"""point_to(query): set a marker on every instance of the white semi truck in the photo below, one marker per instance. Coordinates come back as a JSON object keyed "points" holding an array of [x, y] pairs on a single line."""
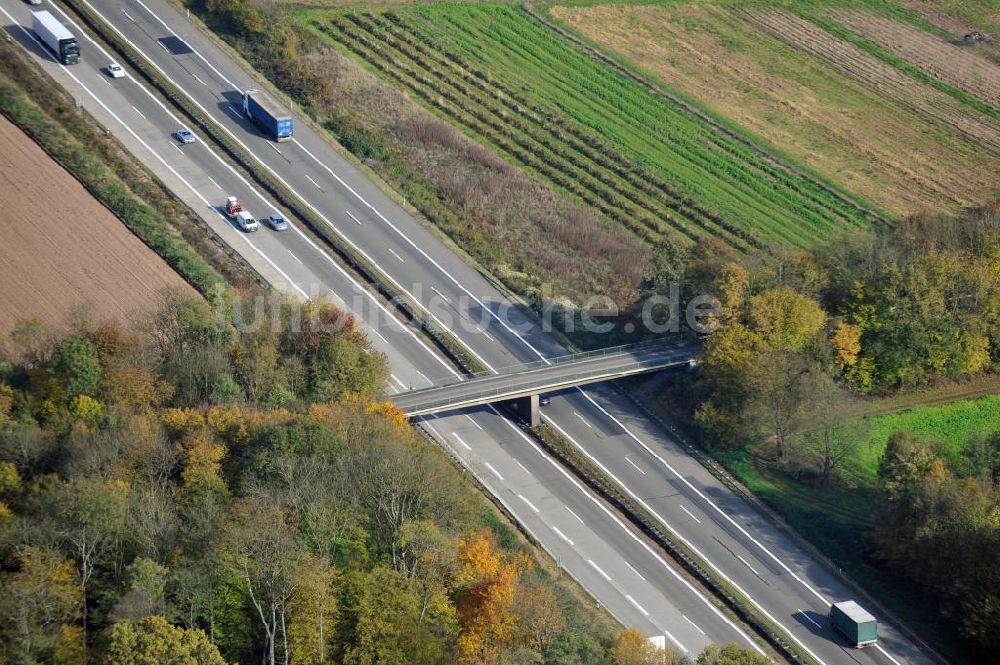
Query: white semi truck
{"points": [[55, 35]]}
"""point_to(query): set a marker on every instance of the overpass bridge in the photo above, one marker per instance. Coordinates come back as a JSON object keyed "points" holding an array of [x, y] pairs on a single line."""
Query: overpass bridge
{"points": [[520, 386]]}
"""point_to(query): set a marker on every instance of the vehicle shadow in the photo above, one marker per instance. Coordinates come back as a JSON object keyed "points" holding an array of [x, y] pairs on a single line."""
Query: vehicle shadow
{"points": [[816, 623]]}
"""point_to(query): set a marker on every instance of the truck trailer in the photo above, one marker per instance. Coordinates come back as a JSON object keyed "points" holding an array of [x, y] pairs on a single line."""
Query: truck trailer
{"points": [[55, 35], [854, 622], [267, 114]]}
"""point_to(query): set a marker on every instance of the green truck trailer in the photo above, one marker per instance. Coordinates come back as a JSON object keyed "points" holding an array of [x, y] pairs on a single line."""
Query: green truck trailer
{"points": [[854, 622]]}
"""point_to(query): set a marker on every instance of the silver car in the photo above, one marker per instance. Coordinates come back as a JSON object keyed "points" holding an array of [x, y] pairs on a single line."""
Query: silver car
{"points": [[185, 136]]}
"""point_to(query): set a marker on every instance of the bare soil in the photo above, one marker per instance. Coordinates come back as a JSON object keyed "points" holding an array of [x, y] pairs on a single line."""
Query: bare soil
{"points": [[62, 253], [818, 116], [955, 65], [880, 76]]}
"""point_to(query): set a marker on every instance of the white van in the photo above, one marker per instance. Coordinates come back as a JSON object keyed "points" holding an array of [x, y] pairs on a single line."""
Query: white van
{"points": [[246, 221]]}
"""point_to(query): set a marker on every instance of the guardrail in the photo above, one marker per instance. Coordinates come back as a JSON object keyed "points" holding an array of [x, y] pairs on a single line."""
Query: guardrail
{"points": [[513, 388], [369, 272]]}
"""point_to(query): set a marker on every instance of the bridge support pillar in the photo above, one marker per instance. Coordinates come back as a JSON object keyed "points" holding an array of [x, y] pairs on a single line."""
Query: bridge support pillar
{"points": [[526, 408]]}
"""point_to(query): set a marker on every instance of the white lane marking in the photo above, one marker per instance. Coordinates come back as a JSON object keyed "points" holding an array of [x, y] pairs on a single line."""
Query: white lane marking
{"points": [[523, 467], [583, 419], [459, 439], [232, 109], [674, 639], [434, 289], [530, 505], [563, 536], [495, 472], [632, 568], [683, 616], [339, 180], [334, 294], [637, 605], [711, 503], [598, 569], [808, 618], [199, 78], [295, 257], [641, 542], [398, 231], [147, 146], [575, 515], [635, 465], [139, 112], [394, 378], [353, 217], [273, 147], [312, 181], [358, 287], [395, 254], [375, 332], [189, 46], [747, 564], [488, 336], [213, 181], [690, 514], [425, 377], [127, 16], [343, 183], [886, 654], [176, 147], [473, 421]]}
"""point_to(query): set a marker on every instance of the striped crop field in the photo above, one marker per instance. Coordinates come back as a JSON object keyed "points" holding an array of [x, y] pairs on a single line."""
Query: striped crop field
{"points": [[642, 159]]}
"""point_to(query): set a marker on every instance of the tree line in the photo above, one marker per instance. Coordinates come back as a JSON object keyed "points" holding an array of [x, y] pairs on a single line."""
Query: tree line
{"points": [[187, 490], [804, 336]]}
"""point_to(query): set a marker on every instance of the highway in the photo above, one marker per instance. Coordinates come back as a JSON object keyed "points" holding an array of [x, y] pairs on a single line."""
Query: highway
{"points": [[617, 568], [569, 371]]}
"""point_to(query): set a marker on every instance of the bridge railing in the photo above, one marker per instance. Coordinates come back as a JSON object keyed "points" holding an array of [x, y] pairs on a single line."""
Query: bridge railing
{"points": [[561, 360], [506, 388]]}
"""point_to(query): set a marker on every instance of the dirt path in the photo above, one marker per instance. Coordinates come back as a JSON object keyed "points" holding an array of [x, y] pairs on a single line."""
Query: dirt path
{"points": [[61, 250]]}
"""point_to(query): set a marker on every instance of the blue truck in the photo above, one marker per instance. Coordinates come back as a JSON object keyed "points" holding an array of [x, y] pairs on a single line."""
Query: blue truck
{"points": [[267, 114]]}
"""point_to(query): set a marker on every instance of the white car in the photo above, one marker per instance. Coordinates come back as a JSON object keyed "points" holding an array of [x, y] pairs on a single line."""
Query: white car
{"points": [[246, 222], [115, 70]]}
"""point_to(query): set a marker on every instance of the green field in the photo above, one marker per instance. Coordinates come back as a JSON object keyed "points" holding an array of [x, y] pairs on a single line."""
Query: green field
{"points": [[949, 426], [643, 160]]}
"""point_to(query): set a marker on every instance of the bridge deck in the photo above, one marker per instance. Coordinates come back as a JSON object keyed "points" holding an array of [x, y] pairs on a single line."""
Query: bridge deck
{"points": [[536, 379]]}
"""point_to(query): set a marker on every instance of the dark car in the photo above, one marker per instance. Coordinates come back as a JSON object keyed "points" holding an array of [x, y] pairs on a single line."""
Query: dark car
{"points": [[277, 221], [185, 136], [543, 400]]}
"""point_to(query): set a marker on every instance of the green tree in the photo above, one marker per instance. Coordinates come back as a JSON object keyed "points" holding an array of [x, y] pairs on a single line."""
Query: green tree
{"points": [[76, 365], [153, 641], [389, 628]]}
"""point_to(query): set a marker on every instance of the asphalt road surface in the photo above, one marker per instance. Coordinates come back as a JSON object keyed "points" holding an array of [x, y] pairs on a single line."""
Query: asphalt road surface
{"points": [[616, 567]]}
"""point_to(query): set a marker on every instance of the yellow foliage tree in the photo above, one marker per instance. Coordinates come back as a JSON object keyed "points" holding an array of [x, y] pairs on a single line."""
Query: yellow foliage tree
{"points": [[786, 319], [846, 342], [486, 607]]}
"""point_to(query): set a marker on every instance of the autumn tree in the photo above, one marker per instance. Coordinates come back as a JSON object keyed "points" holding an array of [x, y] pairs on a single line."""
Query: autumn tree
{"points": [[39, 608], [153, 641], [633, 648], [264, 555], [487, 586], [312, 611], [391, 627]]}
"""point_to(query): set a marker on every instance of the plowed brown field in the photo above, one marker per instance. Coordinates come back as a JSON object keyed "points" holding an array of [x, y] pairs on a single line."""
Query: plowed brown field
{"points": [[880, 76], [955, 65], [61, 250]]}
